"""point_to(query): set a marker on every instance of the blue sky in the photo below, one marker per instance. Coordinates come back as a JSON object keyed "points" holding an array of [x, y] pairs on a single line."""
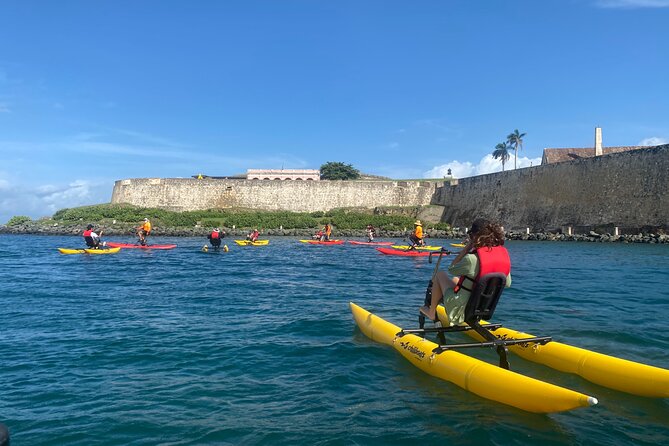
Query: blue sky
{"points": [[93, 92]]}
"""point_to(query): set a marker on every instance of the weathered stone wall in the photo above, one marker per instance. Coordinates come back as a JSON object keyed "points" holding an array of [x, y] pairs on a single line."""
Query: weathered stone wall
{"points": [[626, 190], [185, 194]]}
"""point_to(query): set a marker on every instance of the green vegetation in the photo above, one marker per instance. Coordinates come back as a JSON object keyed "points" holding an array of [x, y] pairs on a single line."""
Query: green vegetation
{"points": [[240, 218], [502, 151], [18, 220], [515, 139], [339, 171]]}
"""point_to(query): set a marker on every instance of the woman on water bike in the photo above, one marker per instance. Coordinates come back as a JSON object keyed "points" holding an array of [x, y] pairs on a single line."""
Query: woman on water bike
{"points": [[484, 253]]}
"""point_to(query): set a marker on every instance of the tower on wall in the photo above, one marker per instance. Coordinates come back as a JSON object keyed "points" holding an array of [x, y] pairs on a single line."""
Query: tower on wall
{"points": [[598, 141]]}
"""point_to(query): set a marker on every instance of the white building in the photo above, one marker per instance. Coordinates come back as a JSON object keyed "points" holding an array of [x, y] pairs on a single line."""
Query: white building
{"points": [[284, 174]]}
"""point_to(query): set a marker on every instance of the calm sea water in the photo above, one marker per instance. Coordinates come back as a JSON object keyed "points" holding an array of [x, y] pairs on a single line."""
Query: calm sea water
{"points": [[257, 345]]}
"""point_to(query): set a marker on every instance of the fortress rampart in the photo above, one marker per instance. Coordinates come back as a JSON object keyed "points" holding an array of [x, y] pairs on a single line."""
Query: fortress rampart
{"points": [[628, 190], [188, 194]]}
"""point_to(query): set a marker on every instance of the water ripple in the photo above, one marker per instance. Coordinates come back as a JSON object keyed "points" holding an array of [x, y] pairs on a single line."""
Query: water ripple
{"points": [[257, 345]]}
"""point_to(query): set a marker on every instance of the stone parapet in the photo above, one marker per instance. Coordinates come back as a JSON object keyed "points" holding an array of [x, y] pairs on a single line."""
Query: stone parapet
{"points": [[188, 194], [621, 190]]}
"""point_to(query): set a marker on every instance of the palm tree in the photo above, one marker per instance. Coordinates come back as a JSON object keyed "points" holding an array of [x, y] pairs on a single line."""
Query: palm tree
{"points": [[516, 140], [502, 151]]}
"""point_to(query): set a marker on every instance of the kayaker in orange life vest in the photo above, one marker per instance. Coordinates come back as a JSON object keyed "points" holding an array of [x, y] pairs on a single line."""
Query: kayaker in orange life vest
{"points": [[327, 230], [143, 231], [92, 239], [484, 252], [416, 238], [215, 237]]}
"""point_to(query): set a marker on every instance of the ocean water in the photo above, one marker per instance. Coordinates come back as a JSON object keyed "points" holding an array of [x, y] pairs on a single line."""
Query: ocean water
{"points": [[257, 345]]}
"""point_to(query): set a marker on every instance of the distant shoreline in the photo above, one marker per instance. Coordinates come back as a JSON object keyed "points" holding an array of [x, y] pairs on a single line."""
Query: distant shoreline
{"points": [[32, 228]]}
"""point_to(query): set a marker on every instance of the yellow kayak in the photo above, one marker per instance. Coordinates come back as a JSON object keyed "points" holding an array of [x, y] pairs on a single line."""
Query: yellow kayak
{"points": [[608, 371], [458, 245], [89, 251], [420, 248], [250, 243], [479, 377]]}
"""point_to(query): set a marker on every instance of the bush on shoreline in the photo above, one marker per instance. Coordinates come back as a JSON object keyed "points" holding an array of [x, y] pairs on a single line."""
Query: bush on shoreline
{"points": [[18, 220], [117, 219], [123, 215]]}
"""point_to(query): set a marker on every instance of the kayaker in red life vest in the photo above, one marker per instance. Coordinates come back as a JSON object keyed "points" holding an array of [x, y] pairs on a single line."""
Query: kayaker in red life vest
{"points": [[92, 239], [325, 235], [484, 251], [253, 235], [215, 237]]}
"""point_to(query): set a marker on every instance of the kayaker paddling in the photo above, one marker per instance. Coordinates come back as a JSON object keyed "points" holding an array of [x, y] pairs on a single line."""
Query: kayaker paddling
{"points": [[416, 237], [484, 253], [92, 238], [253, 235], [325, 234], [143, 231], [371, 232], [215, 238]]}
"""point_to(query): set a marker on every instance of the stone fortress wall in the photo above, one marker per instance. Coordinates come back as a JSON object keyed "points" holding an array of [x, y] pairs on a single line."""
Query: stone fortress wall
{"points": [[188, 194], [628, 190]]}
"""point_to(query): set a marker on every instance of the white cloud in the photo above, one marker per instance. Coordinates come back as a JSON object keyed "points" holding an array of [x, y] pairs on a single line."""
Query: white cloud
{"points": [[4, 107], [45, 200], [653, 141], [630, 4], [488, 164]]}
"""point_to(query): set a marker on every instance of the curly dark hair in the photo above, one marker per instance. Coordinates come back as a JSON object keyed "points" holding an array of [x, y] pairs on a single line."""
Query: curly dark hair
{"points": [[487, 233]]}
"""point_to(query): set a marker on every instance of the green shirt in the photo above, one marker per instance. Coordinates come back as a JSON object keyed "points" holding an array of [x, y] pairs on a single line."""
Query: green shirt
{"points": [[455, 303]]}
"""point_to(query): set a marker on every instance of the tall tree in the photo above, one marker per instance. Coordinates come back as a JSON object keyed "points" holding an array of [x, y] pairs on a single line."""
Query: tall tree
{"points": [[516, 140], [339, 171], [502, 151]]}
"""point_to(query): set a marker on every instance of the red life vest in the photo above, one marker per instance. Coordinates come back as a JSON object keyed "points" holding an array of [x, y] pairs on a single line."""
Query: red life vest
{"points": [[88, 238], [215, 235], [491, 260]]}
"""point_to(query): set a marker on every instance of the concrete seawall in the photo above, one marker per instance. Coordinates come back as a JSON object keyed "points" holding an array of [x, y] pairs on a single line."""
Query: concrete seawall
{"points": [[187, 194], [626, 190]]}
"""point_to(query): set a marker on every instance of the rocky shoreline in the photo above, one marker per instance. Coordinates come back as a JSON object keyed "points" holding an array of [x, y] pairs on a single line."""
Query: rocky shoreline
{"points": [[35, 228], [590, 237]]}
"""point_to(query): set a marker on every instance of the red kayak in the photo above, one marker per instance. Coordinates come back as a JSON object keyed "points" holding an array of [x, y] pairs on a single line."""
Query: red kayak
{"points": [[316, 242], [353, 242], [403, 252], [131, 246]]}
